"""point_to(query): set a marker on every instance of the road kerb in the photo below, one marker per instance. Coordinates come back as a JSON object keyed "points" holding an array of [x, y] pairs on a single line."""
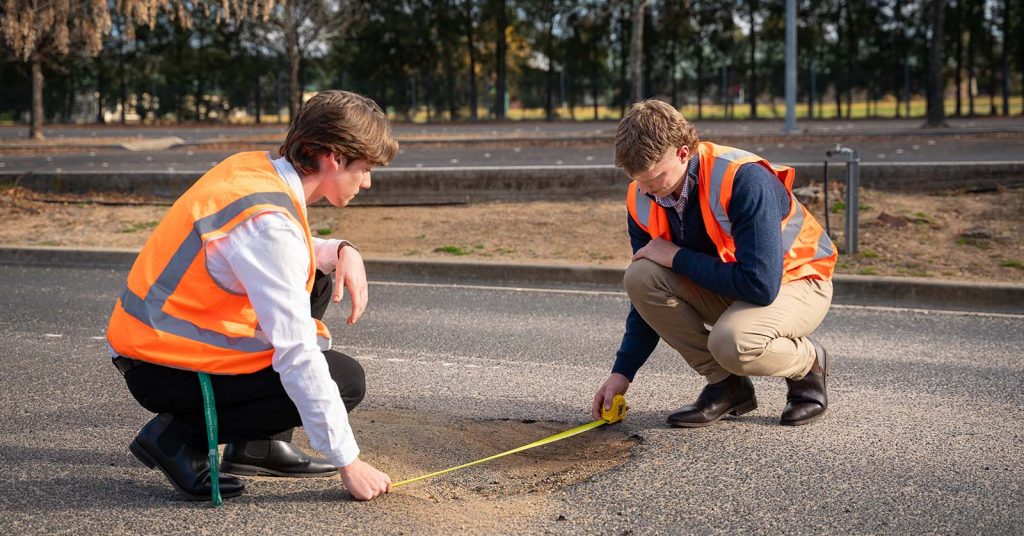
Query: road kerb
{"points": [[849, 289]]}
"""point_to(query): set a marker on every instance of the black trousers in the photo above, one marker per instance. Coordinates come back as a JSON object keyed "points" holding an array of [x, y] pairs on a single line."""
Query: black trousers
{"points": [[249, 406]]}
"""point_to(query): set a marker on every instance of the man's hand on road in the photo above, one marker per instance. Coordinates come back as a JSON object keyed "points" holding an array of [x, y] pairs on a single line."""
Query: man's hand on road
{"points": [[616, 384], [364, 481], [350, 273], [658, 250]]}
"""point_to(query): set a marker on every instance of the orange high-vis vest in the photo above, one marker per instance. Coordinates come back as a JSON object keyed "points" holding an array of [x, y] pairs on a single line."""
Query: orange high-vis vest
{"points": [[172, 311], [809, 253]]}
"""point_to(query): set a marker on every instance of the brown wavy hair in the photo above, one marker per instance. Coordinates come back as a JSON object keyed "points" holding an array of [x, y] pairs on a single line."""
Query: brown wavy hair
{"points": [[341, 123], [648, 130]]}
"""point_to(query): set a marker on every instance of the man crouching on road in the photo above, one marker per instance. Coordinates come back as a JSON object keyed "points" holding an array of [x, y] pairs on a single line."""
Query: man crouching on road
{"points": [[232, 283], [719, 240]]}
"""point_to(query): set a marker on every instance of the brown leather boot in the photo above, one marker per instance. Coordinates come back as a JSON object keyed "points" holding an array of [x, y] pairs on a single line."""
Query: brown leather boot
{"points": [[733, 395], [807, 398]]}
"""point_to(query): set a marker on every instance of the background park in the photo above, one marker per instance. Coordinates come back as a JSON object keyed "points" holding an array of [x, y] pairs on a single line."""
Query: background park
{"points": [[252, 61], [495, 244]]}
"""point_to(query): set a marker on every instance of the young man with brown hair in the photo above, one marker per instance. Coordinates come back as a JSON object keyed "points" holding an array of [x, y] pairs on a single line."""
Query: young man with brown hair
{"points": [[232, 283], [719, 240]]}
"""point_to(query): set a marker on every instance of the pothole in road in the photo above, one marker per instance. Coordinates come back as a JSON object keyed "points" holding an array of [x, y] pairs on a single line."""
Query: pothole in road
{"points": [[408, 444]]}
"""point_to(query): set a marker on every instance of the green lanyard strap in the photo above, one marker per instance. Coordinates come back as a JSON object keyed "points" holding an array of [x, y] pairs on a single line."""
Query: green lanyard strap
{"points": [[210, 411]]}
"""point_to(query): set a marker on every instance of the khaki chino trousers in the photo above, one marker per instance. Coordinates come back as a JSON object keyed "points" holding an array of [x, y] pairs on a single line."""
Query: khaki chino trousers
{"points": [[744, 339]]}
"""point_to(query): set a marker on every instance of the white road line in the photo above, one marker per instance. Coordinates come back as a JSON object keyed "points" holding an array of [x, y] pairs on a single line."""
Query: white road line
{"points": [[53, 335], [494, 287], [884, 309], [879, 308]]}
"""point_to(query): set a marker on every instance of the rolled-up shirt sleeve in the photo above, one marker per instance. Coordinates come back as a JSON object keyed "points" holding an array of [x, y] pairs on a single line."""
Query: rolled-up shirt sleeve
{"points": [[268, 255], [325, 251]]}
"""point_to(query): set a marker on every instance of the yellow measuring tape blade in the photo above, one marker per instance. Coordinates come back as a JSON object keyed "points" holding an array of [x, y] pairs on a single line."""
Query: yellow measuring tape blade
{"points": [[615, 414]]}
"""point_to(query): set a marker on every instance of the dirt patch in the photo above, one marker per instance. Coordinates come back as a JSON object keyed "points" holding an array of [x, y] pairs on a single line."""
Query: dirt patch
{"points": [[945, 235], [408, 444], [489, 498]]}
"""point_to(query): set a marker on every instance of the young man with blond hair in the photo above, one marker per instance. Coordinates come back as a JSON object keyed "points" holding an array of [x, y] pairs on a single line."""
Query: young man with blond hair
{"points": [[233, 284], [719, 240]]}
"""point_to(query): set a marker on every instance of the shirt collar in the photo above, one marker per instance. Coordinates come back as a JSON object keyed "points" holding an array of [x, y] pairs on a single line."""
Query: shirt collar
{"points": [[692, 170], [286, 171]]}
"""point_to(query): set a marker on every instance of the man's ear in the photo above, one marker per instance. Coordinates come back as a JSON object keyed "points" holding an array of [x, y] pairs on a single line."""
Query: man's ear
{"points": [[683, 153], [331, 162]]}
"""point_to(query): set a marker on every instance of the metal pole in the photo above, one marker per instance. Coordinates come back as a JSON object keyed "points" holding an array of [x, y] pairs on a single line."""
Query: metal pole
{"points": [[790, 67], [852, 193], [852, 202]]}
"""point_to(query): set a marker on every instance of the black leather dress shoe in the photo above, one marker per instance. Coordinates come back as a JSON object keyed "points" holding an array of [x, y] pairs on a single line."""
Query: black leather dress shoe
{"points": [[733, 395], [274, 458], [807, 398], [159, 445]]}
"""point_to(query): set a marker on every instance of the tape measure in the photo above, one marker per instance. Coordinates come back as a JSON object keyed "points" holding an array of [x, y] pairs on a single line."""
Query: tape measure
{"points": [[608, 416]]}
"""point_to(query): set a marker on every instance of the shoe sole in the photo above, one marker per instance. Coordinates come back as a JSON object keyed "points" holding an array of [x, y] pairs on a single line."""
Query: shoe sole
{"points": [[808, 420], [148, 460], [253, 470], [736, 411]]}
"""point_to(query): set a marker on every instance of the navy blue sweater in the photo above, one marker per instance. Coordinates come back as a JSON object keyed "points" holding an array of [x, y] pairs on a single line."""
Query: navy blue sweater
{"points": [[758, 205]]}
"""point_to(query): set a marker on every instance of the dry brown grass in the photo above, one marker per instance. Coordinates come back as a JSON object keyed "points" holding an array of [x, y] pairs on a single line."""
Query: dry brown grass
{"points": [[900, 234]]}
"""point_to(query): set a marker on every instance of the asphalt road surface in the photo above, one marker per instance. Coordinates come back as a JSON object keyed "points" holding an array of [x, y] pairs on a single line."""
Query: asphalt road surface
{"points": [[925, 433], [506, 144], [191, 133], [505, 154]]}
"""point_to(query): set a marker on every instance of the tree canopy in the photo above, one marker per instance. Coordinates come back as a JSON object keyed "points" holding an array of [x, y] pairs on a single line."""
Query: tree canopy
{"points": [[429, 60]]}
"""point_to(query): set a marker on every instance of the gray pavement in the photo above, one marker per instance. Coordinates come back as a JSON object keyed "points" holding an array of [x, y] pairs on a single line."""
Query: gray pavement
{"points": [[924, 433], [880, 150], [527, 129]]}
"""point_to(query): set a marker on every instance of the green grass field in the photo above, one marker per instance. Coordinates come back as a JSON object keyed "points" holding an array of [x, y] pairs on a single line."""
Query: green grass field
{"points": [[882, 109]]}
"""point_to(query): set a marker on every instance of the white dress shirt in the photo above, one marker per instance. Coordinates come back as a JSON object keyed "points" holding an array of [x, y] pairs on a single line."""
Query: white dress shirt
{"points": [[266, 258]]}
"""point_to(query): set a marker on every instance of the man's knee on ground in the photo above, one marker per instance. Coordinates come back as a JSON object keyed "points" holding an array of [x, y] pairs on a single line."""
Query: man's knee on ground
{"points": [[732, 350], [350, 377], [640, 276]]}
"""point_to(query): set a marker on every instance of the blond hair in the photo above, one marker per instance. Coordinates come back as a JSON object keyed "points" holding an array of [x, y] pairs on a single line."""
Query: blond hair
{"points": [[648, 130], [342, 123]]}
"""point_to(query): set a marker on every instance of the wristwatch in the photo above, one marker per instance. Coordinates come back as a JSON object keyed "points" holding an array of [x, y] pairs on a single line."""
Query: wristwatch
{"points": [[345, 243]]}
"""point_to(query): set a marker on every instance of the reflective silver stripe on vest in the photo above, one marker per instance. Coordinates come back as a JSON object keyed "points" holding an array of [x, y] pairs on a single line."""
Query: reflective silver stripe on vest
{"points": [[149, 310], [825, 247], [718, 170], [642, 206], [796, 223]]}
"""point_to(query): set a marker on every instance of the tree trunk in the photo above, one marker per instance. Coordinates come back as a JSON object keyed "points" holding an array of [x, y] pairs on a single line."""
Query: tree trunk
{"points": [[851, 48], [502, 53], [959, 56], [294, 58], [636, 51], [936, 108], [899, 55], [811, 90], [472, 60], [259, 101], [123, 97], [623, 61], [839, 47], [99, 91], [991, 71], [449, 81], [972, 35], [35, 130], [672, 73], [700, 84], [753, 62], [549, 109], [1007, 40], [593, 87]]}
